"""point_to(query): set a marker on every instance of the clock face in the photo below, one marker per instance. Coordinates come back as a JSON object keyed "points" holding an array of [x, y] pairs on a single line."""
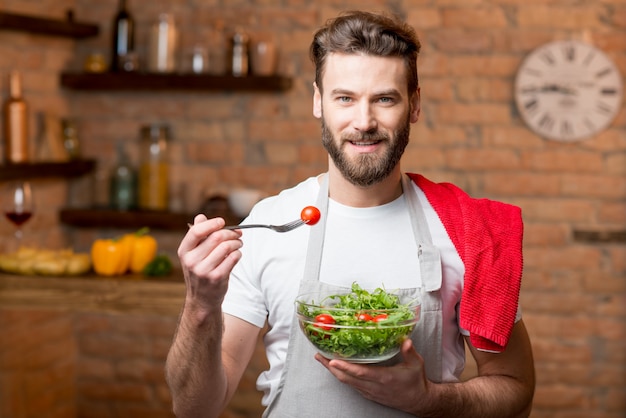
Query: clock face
{"points": [[568, 90]]}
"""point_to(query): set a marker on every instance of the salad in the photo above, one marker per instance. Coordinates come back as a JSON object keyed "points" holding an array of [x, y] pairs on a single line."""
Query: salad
{"points": [[360, 325]]}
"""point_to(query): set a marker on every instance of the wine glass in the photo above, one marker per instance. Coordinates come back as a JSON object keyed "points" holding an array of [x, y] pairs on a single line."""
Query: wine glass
{"points": [[18, 206]]}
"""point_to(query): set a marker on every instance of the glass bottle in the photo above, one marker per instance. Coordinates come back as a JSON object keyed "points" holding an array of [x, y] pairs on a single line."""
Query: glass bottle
{"points": [[123, 186], [123, 35], [15, 119], [239, 55], [70, 138], [154, 167]]}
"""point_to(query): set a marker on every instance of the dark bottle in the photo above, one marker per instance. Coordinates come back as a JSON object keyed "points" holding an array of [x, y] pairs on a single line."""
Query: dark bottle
{"points": [[123, 35]]}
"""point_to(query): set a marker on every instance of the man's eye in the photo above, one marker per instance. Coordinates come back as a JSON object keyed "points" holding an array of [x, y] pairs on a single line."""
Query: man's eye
{"points": [[386, 100], [344, 99]]}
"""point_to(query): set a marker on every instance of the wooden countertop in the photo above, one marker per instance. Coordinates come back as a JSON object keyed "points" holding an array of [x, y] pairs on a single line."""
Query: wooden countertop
{"points": [[127, 294]]}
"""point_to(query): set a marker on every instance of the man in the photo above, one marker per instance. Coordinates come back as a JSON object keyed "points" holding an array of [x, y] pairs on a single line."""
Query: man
{"points": [[379, 227]]}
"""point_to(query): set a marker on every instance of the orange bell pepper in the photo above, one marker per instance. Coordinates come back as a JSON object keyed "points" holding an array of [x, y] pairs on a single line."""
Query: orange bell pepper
{"points": [[111, 257], [144, 250]]}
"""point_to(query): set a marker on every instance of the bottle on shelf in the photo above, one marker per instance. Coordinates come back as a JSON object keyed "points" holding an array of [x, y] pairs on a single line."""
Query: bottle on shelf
{"points": [[239, 53], [15, 120], [163, 44], [123, 186], [70, 138], [123, 36], [154, 167]]}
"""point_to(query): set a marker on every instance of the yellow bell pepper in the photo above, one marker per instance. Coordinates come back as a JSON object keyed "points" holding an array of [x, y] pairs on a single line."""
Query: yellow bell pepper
{"points": [[111, 257], [144, 250]]}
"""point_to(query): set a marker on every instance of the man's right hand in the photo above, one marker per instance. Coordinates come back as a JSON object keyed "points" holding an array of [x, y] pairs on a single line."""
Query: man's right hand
{"points": [[207, 255]]}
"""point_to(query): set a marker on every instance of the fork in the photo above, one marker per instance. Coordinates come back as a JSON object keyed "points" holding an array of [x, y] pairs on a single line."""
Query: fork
{"points": [[289, 226]]}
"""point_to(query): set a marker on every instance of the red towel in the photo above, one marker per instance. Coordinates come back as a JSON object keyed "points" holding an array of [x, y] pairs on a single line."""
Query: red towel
{"points": [[488, 237]]}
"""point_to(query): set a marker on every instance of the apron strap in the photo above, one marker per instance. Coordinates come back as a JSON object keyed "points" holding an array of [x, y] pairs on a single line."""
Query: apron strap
{"points": [[315, 247], [428, 254]]}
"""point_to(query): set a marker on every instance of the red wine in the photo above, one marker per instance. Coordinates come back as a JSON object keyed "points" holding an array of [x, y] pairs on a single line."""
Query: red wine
{"points": [[18, 218]]}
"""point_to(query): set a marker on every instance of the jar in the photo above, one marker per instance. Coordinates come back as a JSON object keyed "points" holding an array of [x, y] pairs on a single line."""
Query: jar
{"points": [[163, 43], [154, 167], [95, 63], [199, 60]]}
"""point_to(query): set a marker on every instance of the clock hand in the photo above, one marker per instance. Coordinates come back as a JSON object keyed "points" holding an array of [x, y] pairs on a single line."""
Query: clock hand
{"points": [[549, 88]]}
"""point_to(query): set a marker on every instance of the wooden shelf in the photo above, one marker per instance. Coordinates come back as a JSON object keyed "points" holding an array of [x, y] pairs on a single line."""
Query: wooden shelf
{"points": [[44, 26], [187, 82], [135, 219], [73, 168], [110, 218], [600, 236]]}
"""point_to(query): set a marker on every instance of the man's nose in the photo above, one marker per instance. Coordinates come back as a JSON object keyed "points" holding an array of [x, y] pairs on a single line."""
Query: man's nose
{"points": [[364, 118]]}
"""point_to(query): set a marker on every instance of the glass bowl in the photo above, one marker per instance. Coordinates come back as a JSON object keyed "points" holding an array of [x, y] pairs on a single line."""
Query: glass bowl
{"points": [[358, 333]]}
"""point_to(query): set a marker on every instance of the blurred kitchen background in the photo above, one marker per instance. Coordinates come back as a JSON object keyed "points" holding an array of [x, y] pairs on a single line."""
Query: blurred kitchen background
{"points": [[95, 347]]}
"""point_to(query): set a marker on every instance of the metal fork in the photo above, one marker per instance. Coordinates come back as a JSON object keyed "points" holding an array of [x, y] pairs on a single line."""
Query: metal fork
{"points": [[290, 226]]}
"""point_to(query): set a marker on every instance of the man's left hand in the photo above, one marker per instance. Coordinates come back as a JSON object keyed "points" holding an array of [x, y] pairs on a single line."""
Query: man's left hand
{"points": [[400, 386]]}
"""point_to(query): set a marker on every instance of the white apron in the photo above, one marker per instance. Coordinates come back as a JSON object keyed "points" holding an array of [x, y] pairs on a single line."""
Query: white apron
{"points": [[306, 388]]}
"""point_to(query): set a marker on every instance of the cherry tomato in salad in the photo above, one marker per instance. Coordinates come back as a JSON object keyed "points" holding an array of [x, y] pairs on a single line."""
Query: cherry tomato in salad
{"points": [[310, 215], [323, 321], [364, 317], [380, 317]]}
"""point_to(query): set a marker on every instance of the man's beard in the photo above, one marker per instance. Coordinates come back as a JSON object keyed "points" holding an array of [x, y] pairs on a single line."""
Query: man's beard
{"points": [[367, 169]]}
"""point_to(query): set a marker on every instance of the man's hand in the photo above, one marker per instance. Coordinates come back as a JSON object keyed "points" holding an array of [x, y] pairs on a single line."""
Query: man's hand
{"points": [[400, 386], [207, 255], [503, 388], [195, 371]]}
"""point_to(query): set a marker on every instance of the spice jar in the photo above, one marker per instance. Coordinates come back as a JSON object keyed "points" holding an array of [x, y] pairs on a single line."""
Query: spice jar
{"points": [[154, 167]]}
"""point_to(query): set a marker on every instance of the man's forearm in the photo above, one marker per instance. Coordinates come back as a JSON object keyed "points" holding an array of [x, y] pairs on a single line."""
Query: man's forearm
{"points": [[193, 369], [504, 387], [480, 397]]}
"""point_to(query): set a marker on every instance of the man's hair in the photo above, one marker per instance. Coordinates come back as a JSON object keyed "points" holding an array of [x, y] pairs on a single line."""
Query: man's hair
{"points": [[359, 32]]}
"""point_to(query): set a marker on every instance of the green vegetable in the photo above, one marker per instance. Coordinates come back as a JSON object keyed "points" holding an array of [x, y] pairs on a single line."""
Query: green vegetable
{"points": [[161, 265], [355, 333]]}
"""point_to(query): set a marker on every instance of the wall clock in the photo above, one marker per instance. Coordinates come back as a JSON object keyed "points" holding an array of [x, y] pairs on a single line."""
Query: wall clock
{"points": [[568, 90]]}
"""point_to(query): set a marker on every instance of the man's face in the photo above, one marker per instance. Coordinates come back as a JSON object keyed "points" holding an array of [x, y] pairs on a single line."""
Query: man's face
{"points": [[366, 114]]}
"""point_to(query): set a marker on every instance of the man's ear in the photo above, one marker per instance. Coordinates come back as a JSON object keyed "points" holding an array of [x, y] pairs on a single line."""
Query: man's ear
{"points": [[317, 101], [416, 106]]}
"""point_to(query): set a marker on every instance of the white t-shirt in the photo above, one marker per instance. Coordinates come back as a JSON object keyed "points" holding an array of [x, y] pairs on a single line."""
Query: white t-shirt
{"points": [[372, 246]]}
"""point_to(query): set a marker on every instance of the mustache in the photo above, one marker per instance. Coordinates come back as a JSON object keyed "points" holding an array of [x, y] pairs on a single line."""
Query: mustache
{"points": [[365, 136]]}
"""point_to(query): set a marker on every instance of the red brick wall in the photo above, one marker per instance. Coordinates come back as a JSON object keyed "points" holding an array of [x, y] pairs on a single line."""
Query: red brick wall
{"points": [[38, 365], [64, 364], [120, 367], [574, 293]]}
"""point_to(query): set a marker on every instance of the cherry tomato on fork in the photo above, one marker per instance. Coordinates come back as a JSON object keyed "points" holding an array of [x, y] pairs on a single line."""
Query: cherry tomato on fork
{"points": [[310, 215]]}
